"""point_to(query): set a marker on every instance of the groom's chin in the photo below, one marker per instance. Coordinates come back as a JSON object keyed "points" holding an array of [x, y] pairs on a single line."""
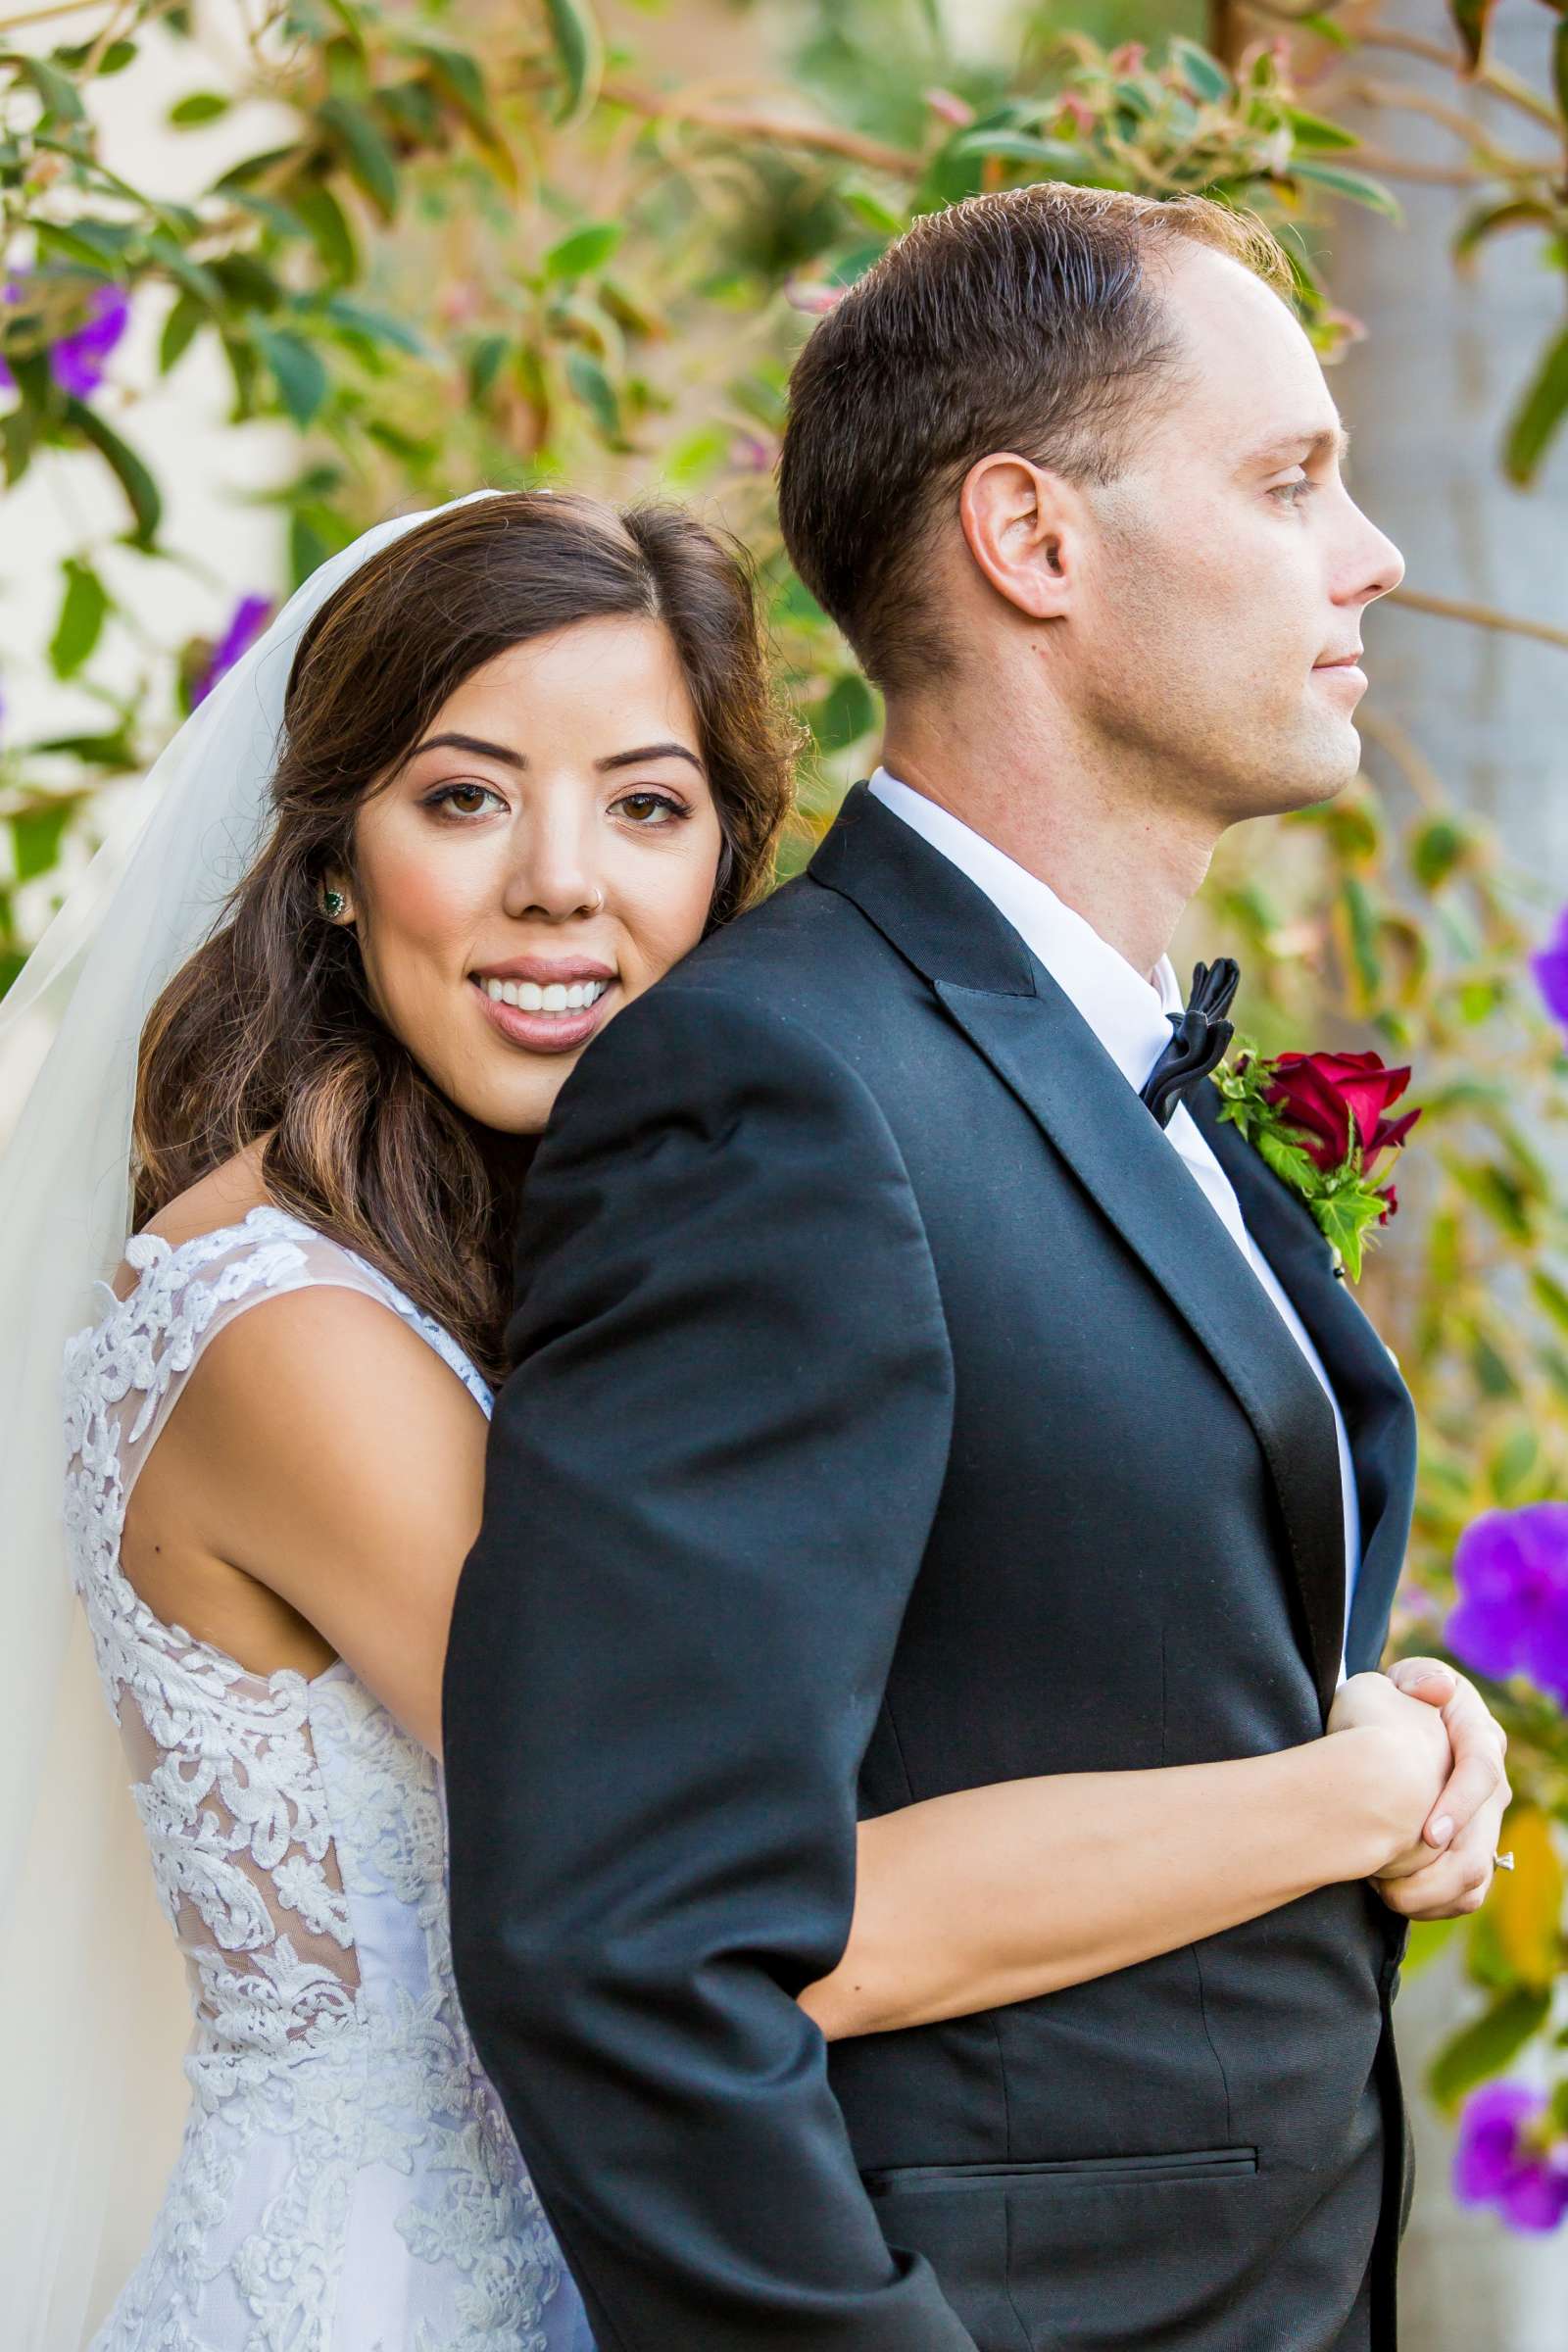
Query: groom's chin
{"points": [[1317, 774]]}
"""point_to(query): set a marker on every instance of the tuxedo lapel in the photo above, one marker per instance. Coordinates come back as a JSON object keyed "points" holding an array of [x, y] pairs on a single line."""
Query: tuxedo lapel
{"points": [[1379, 1416], [1040, 1046]]}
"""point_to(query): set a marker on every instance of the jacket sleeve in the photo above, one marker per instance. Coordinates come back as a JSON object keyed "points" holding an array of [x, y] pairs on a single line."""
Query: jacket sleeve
{"points": [[711, 1477]]}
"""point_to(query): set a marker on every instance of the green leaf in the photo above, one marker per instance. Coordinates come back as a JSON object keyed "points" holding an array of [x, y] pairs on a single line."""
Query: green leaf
{"points": [[376, 326], [1553, 1296], [874, 210], [35, 836], [1363, 933], [113, 750], [146, 503], [586, 250], [1470, 19], [1513, 1464], [327, 227], [93, 244], [1326, 29], [1494, 1191], [846, 713], [202, 106], [696, 456], [484, 366], [72, 56], [1353, 184], [1482, 2049], [1535, 421], [1067, 162], [459, 77], [1316, 130], [297, 371], [597, 393], [368, 159], [1519, 211], [191, 275], [1204, 74], [1437, 850], [178, 328], [1289, 1160], [1345, 1220], [81, 619], [56, 90], [581, 52]]}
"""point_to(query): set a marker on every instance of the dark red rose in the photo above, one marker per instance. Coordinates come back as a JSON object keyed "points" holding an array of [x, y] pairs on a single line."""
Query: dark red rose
{"points": [[1336, 1099]]}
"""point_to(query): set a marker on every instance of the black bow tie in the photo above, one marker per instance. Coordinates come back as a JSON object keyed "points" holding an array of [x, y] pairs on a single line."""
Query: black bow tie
{"points": [[1202, 1035]]}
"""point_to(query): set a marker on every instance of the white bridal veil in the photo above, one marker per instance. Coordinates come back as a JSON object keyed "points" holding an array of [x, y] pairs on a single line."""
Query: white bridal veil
{"points": [[93, 2012]]}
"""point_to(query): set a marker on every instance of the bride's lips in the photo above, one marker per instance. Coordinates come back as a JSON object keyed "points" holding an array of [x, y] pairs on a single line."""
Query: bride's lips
{"points": [[544, 1032]]}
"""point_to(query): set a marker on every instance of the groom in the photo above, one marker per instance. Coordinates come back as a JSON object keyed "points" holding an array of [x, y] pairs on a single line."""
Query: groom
{"points": [[901, 1406]]}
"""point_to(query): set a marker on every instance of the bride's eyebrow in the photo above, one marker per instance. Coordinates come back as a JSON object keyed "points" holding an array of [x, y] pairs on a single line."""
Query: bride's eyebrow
{"points": [[470, 743], [649, 751]]}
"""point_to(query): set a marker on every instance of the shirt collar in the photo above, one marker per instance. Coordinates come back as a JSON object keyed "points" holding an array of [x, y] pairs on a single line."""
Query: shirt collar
{"points": [[1127, 1015]]}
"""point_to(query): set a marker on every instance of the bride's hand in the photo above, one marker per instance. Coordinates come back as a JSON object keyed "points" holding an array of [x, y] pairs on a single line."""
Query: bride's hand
{"points": [[1405, 1758]]}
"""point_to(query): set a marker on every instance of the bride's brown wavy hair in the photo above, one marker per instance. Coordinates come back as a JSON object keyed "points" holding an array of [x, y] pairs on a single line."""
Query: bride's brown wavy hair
{"points": [[268, 1029]]}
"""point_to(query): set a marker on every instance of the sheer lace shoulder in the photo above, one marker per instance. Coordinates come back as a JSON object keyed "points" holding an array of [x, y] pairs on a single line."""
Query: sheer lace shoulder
{"points": [[345, 2154], [187, 1291]]}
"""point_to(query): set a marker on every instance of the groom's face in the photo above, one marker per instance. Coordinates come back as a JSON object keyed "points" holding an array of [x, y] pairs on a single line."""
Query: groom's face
{"points": [[1228, 567]]}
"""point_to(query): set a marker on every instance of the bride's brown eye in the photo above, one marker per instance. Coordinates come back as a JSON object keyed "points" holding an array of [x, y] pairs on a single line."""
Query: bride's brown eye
{"points": [[447, 801], [648, 808]]}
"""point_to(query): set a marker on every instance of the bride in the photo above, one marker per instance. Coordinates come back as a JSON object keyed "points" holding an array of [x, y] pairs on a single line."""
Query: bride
{"points": [[488, 774]]}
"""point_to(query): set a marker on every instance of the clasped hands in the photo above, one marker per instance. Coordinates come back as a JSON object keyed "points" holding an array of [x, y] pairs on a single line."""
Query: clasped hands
{"points": [[1448, 1870]]}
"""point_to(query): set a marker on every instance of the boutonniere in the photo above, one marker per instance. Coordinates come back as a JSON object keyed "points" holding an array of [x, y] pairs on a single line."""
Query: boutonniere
{"points": [[1320, 1121]]}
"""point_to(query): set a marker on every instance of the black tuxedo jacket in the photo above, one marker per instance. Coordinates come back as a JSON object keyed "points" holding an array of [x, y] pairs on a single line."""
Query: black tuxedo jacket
{"points": [[891, 1414]]}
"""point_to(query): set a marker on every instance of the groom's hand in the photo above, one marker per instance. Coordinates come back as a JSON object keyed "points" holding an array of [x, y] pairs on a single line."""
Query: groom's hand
{"points": [[1463, 1829]]}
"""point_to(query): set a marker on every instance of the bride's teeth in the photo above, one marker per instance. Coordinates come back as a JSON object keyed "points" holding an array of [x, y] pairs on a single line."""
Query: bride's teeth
{"points": [[529, 996]]}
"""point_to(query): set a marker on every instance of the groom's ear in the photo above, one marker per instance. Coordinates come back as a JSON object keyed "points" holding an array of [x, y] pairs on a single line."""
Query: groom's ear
{"points": [[1024, 527]]}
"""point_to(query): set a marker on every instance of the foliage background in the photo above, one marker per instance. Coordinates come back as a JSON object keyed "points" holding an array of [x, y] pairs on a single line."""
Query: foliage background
{"points": [[415, 252]]}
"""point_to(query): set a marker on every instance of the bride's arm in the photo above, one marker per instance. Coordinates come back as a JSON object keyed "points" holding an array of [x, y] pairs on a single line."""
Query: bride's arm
{"points": [[996, 1894]]}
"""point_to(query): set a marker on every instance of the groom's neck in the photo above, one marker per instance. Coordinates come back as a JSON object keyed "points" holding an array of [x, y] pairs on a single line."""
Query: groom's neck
{"points": [[1111, 843]]}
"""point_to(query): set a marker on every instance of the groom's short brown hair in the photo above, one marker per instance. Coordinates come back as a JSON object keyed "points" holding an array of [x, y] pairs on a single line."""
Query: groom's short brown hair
{"points": [[1022, 321]]}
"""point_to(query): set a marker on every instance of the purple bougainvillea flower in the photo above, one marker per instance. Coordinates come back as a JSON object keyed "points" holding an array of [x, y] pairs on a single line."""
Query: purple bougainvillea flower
{"points": [[1551, 967], [1511, 1617], [1501, 2160], [246, 623], [77, 360]]}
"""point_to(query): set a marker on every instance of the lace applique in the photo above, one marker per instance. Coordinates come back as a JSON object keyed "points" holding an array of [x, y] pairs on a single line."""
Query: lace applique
{"points": [[297, 1837]]}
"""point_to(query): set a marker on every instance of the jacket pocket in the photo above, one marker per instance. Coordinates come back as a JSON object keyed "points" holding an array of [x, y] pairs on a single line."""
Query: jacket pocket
{"points": [[1190, 2164]]}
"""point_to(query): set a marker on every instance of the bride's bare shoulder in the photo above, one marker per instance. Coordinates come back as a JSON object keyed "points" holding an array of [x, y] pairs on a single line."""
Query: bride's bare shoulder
{"points": [[225, 1196]]}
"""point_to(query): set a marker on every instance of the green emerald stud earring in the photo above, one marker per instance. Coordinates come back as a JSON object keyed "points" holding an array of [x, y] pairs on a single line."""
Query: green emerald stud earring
{"points": [[334, 902]]}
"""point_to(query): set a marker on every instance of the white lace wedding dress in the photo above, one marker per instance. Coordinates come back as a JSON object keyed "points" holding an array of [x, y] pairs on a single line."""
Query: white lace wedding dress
{"points": [[347, 2180]]}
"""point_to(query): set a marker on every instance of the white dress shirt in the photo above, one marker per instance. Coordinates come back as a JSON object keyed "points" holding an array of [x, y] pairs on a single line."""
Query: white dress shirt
{"points": [[1128, 1016]]}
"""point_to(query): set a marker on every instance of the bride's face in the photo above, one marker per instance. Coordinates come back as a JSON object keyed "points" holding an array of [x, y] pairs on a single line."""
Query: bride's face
{"points": [[548, 849]]}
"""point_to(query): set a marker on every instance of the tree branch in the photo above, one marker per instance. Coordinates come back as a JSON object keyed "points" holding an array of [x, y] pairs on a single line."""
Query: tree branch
{"points": [[1481, 617], [825, 138]]}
